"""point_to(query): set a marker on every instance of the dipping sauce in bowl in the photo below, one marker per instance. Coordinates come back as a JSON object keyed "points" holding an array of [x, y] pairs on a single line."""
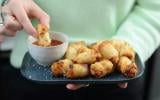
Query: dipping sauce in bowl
{"points": [[46, 55], [53, 43]]}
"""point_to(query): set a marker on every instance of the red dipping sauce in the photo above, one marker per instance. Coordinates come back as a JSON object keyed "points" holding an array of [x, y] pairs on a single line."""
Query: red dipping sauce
{"points": [[53, 43]]}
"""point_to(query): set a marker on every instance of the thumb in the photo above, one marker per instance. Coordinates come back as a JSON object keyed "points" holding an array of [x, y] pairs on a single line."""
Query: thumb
{"points": [[44, 20], [39, 14], [22, 17]]}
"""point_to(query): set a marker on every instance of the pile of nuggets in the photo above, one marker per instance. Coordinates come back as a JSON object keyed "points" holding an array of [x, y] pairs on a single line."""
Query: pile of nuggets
{"points": [[98, 60]]}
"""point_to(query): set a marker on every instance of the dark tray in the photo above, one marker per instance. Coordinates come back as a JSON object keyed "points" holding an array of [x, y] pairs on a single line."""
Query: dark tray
{"points": [[37, 73]]}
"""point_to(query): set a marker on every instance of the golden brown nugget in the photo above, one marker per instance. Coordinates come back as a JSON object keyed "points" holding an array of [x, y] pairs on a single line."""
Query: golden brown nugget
{"points": [[76, 71], [101, 68], [58, 67], [43, 35], [124, 48], [86, 57], [73, 49], [127, 67], [96, 45], [108, 51]]}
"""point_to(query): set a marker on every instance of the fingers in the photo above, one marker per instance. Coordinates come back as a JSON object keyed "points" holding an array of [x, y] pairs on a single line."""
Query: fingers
{"points": [[123, 85], [75, 86], [7, 32], [38, 13], [12, 24], [22, 11], [22, 17], [78, 86]]}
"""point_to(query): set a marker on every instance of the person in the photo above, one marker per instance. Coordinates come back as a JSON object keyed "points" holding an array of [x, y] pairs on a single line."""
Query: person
{"points": [[135, 21]]}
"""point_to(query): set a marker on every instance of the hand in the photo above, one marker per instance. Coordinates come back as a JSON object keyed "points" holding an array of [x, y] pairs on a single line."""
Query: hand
{"points": [[78, 86], [17, 16], [1, 38]]}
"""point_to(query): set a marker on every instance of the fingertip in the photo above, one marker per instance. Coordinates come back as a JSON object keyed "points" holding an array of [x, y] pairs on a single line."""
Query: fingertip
{"points": [[126, 85], [30, 29], [32, 32], [45, 20], [123, 85], [71, 86], [76, 86], [46, 23], [41, 15]]}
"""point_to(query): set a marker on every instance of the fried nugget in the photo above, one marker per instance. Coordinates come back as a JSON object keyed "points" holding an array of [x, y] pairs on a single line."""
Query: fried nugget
{"points": [[58, 67], [127, 67], [74, 49], [101, 68], [118, 44], [77, 45], [128, 52], [124, 48], [87, 57], [76, 71], [96, 45], [108, 51], [43, 35], [71, 53]]}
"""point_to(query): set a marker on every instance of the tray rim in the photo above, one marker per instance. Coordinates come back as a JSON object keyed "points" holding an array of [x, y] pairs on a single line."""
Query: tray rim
{"points": [[81, 81]]}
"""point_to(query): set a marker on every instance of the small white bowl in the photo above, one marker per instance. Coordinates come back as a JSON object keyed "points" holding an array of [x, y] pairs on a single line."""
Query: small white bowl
{"points": [[45, 56]]}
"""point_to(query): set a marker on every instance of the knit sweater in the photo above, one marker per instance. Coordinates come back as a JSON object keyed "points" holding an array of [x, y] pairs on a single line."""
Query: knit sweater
{"points": [[135, 21]]}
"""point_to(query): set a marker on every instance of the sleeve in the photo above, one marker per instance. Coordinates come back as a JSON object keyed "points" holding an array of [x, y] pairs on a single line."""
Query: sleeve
{"points": [[141, 29], [1, 2]]}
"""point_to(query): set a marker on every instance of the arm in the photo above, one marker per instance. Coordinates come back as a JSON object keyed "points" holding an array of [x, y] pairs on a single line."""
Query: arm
{"points": [[142, 28]]}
